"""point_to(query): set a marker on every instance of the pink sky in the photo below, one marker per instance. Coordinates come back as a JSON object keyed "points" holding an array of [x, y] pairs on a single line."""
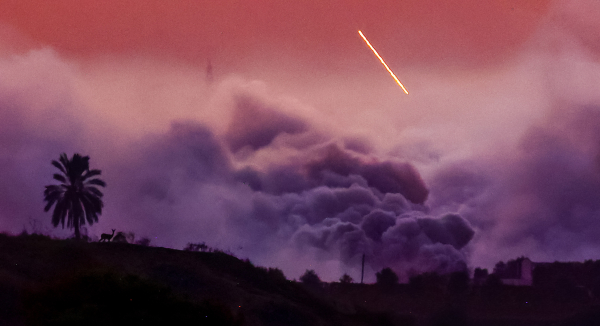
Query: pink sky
{"points": [[417, 32], [301, 116]]}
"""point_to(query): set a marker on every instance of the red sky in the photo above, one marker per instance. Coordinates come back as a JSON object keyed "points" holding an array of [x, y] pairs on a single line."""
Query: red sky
{"points": [[414, 31]]}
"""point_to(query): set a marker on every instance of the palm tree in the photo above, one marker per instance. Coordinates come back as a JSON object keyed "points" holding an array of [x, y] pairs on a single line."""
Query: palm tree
{"points": [[77, 197]]}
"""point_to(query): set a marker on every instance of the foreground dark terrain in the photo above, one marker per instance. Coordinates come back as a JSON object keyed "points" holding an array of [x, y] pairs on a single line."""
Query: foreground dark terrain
{"points": [[64, 282]]}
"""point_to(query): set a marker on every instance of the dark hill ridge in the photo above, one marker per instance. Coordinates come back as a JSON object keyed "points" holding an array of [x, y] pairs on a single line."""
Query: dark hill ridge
{"points": [[64, 282]]}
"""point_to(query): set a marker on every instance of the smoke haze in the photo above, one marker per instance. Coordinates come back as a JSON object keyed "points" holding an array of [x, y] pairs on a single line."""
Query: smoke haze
{"points": [[302, 165]]}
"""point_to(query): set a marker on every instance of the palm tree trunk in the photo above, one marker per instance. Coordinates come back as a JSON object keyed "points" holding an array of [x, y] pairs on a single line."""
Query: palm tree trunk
{"points": [[76, 226]]}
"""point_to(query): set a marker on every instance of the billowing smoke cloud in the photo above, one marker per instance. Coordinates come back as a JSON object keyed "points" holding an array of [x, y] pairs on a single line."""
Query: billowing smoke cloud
{"points": [[329, 200], [311, 193], [254, 126], [539, 196], [542, 200]]}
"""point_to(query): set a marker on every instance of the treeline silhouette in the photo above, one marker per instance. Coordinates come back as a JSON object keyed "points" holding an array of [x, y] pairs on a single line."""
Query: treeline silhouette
{"points": [[559, 290], [557, 281], [66, 282]]}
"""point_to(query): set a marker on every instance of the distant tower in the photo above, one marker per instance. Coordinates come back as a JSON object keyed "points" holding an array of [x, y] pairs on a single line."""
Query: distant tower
{"points": [[362, 273], [209, 73]]}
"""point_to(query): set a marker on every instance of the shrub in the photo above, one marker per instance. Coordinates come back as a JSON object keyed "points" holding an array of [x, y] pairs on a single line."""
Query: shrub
{"points": [[276, 274], [346, 279], [387, 277], [200, 246], [310, 278], [123, 237], [119, 237], [143, 242], [480, 273]]}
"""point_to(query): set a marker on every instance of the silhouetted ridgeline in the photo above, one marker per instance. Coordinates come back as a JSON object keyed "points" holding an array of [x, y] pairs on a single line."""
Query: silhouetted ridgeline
{"points": [[65, 282], [544, 275]]}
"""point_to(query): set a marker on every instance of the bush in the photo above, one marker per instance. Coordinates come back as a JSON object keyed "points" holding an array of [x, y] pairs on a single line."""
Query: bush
{"points": [[276, 274], [387, 277], [200, 246], [346, 279], [310, 278], [143, 242], [123, 237], [480, 273]]}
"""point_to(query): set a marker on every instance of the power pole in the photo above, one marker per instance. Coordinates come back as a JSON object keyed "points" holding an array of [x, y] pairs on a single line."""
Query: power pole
{"points": [[362, 273]]}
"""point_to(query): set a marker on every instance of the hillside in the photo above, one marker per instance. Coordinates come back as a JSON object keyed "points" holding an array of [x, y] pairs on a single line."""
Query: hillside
{"points": [[63, 282]]}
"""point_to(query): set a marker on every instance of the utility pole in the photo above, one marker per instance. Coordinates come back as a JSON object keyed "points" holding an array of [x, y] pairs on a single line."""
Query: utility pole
{"points": [[362, 273]]}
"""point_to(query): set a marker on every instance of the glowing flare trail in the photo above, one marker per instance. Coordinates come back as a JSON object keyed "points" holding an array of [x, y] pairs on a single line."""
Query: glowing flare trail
{"points": [[383, 62]]}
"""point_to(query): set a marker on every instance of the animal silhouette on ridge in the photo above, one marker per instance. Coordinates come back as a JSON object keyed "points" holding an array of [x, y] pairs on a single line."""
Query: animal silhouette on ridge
{"points": [[106, 236]]}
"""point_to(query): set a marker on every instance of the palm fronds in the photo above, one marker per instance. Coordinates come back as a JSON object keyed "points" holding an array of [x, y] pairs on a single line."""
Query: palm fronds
{"points": [[77, 198]]}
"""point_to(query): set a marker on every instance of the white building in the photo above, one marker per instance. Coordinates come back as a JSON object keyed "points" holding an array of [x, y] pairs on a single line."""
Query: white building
{"points": [[524, 274]]}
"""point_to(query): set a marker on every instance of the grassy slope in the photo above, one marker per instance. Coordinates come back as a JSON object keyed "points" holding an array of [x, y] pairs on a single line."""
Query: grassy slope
{"points": [[62, 282], [36, 271]]}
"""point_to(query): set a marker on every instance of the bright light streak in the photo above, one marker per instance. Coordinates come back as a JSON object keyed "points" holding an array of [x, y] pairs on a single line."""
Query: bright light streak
{"points": [[383, 62]]}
